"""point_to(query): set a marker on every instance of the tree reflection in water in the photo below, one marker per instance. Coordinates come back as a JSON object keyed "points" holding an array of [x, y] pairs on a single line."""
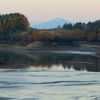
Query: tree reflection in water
{"points": [[67, 61]]}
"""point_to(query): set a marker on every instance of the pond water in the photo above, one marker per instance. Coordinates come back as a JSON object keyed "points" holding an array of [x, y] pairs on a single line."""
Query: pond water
{"points": [[57, 75]]}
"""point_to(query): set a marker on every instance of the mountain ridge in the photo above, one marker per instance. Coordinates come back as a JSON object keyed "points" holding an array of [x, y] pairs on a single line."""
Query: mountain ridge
{"points": [[52, 23]]}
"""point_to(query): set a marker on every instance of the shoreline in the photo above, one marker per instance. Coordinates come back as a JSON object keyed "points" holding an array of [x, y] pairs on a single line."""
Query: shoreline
{"points": [[38, 48]]}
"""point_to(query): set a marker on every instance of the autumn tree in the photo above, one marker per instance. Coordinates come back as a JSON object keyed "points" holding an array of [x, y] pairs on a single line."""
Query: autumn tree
{"points": [[13, 22], [79, 35], [91, 37]]}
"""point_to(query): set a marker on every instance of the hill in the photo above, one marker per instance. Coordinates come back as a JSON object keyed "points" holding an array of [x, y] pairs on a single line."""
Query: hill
{"points": [[52, 23]]}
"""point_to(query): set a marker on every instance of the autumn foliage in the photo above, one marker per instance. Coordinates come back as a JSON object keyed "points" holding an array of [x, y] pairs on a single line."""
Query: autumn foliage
{"points": [[13, 22], [41, 36], [14, 27], [69, 33]]}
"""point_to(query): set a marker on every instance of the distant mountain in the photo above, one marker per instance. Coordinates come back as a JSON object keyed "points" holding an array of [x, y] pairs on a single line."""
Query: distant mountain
{"points": [[51, 24]]}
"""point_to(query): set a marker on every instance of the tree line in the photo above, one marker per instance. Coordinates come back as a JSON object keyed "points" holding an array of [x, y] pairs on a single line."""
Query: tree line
{"points": [[86, 32], [69, 33], [15, 27]]}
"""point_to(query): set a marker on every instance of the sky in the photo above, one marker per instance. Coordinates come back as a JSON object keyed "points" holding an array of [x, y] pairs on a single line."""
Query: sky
{"points": [[38, 11]]}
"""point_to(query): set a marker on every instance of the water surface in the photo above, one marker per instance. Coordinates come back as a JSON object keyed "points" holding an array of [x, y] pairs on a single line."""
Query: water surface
{"points": [[49, 76]]}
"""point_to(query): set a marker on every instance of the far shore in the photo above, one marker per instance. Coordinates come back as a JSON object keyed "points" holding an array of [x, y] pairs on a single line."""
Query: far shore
{"points": [[39, 47]]}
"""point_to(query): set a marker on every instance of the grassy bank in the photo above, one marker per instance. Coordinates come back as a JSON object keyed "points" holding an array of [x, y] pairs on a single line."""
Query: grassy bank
{"points": [[42, 46]]}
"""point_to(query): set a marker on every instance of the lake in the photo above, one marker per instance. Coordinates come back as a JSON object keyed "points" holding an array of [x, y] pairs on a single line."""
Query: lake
{"points": [[53, 75]]}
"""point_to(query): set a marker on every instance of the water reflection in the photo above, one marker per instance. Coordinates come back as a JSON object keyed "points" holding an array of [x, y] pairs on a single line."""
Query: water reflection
{"points": [[9, 60]]}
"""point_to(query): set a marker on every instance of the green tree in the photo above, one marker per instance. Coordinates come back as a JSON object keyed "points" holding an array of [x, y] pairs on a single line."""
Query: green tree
{"points": [[79, 25], [68, 26]]}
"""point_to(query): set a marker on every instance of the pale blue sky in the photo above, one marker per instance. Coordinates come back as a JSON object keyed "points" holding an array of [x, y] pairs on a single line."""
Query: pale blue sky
{"points": [[39, 11]]}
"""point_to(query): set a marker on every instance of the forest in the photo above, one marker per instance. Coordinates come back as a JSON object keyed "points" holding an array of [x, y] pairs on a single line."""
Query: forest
{"points": [[15, 28]]}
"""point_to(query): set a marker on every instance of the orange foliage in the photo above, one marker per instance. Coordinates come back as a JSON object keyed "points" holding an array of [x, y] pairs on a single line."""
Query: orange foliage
{"points": [[42, 35], [30, 37], [91, 36], [50, 35], [79, 34]]}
